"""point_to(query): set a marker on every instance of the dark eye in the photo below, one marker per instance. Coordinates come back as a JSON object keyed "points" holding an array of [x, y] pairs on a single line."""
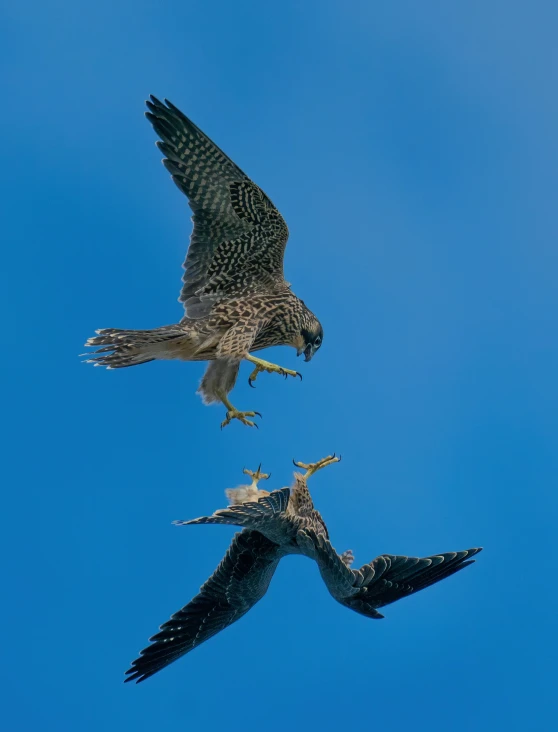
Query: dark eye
{"points": [[318, 342]]}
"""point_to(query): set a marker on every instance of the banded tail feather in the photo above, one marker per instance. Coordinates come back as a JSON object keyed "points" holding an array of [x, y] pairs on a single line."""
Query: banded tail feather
{"points": [[117, 348]]}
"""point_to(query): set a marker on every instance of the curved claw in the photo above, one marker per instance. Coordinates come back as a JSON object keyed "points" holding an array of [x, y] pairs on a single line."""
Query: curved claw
{"points": [[251, 383], [299, 375], [242, 416]]}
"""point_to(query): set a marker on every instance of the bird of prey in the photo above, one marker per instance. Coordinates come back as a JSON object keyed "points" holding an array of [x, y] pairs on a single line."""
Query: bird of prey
{"points": [[274, 525], [235, 297]]}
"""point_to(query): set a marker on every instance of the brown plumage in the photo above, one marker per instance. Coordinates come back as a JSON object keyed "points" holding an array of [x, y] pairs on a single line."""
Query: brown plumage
{"points": [[235, 296], [274, 525]]}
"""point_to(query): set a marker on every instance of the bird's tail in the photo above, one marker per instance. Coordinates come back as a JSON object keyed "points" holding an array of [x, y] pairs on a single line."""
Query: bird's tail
{"points": [[250, 514], [117, 349]]}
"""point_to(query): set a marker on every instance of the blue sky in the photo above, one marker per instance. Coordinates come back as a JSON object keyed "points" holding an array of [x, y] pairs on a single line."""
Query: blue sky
{"points": [[411, 148]]}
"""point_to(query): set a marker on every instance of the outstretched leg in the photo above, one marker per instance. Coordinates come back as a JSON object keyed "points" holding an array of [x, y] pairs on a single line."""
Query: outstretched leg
{"points": [[233, 413], [271, 368], [245, 493], [312, 468], [256, 475]]}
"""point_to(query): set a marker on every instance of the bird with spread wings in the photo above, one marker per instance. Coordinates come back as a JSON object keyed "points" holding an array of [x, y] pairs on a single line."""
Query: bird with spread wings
{"points": [[235, 296], [276, 524]]}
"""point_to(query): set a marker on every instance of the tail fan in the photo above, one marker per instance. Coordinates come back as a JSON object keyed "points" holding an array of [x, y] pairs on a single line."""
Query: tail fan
{"points": [[118, 349]]}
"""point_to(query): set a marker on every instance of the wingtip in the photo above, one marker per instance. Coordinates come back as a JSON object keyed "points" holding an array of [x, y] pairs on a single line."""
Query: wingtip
{"points": [[154, 101], [137, 678], [171, 106]]}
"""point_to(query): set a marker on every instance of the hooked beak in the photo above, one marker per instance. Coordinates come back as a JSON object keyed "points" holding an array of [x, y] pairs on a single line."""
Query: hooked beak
{"points": [[308, 352]]}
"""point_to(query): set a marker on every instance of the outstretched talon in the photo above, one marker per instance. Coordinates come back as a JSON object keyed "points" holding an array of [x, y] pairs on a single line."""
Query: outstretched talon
{"points": [[241, 416], [256, 475], [347, 558], [248, 493], [312, 468], [271, 368]]}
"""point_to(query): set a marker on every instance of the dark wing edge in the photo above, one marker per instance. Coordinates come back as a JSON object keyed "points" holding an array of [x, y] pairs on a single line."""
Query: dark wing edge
{"points": [[226, 206], [238, 583], [387, 578]]}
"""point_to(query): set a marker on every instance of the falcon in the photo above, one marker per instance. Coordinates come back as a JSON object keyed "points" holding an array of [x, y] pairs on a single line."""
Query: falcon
{"points": [[236, 300], [276, 524]]}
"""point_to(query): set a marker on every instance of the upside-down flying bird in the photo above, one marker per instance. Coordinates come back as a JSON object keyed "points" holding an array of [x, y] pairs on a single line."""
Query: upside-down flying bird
{"points": [[274, 525]]}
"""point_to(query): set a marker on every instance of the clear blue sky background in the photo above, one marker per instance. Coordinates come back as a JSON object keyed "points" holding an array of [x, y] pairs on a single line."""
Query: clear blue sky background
{"points": [[412, 150]]}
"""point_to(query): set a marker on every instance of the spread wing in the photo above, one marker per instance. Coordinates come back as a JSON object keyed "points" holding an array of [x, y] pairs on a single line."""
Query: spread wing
{"points": [[239, 237], [386, 579], [237, 584]]}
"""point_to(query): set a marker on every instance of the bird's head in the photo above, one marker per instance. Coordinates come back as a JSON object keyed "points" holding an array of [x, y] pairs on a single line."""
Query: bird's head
{"points": [[310, 338]]}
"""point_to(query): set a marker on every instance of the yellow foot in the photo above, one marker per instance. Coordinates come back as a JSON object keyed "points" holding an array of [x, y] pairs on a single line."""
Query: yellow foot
{"points": [[248, 493], [241, 416], [256, 475], [312, 468], [271, 368]]}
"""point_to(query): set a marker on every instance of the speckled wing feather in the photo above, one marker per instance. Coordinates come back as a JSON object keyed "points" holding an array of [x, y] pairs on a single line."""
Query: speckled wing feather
{"points": [[268, 515], [239, 237], [237, 584], [386, 579], [239, 338], [252, 514]]}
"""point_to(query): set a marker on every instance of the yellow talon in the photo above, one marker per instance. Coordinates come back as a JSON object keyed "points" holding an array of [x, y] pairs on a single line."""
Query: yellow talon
{"points": [[271, 368], [312, 468], [233, 413], [241, 416], [248, 493], [256, 475]]}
